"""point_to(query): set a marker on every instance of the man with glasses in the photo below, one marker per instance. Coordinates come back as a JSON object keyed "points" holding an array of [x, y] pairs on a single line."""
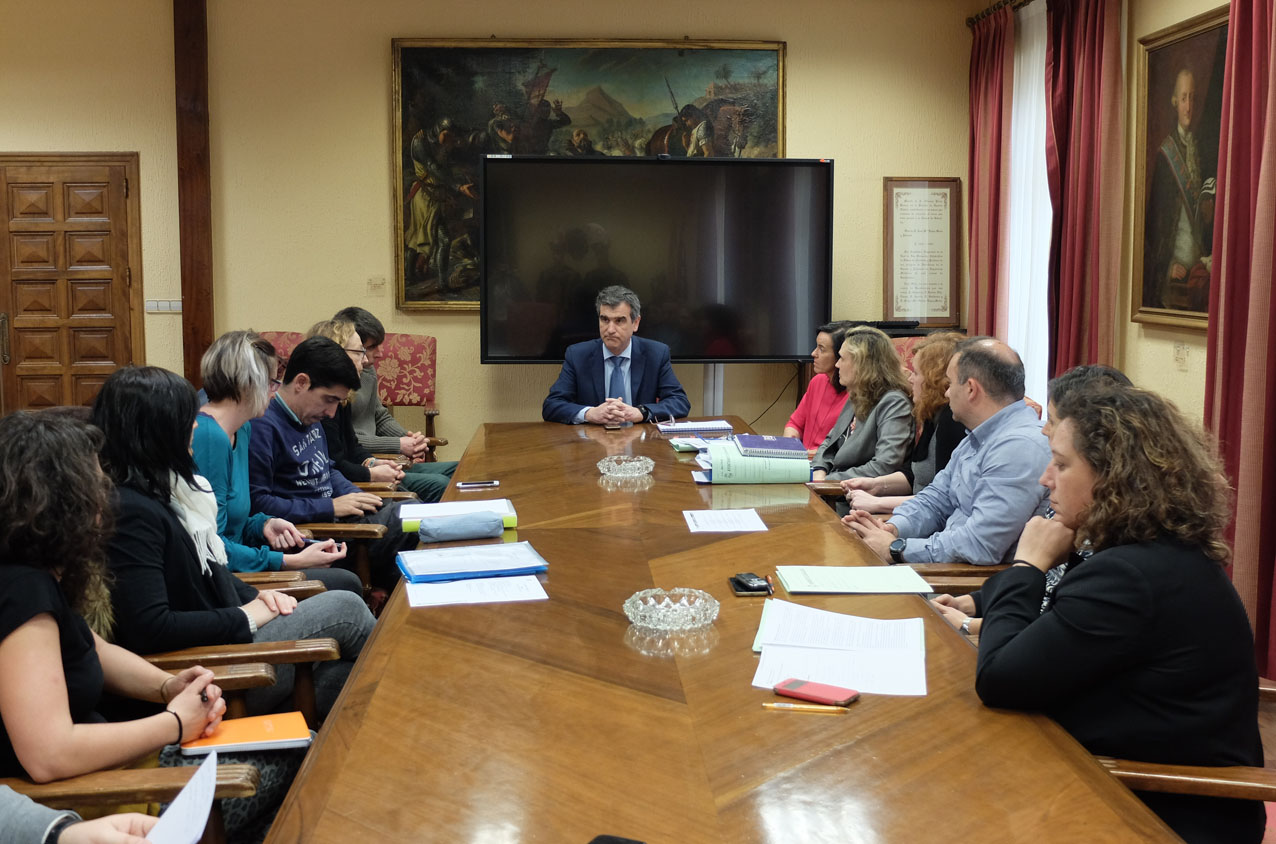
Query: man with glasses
{"points": [[377, 430]]}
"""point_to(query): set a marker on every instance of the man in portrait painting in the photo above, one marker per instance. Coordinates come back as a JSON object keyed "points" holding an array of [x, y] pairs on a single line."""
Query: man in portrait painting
{"points": [[1180, 211]]}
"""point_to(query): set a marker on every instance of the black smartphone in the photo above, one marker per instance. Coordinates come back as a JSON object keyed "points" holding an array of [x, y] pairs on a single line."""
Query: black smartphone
{"points": [[748, 583]]}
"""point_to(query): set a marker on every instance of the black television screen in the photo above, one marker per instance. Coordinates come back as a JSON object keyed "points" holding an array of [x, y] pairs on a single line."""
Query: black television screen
{"points": [[731, 258]]}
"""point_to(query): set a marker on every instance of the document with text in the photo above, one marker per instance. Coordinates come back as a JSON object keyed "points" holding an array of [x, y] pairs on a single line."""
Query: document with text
{"points": [[184, 820], [723, 521], [878, 656], [851, 580]]}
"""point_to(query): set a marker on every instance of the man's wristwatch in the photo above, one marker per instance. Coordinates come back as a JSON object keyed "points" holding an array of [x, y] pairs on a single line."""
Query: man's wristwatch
{"points": [[646, 413], [965, 625], [897, 550]]}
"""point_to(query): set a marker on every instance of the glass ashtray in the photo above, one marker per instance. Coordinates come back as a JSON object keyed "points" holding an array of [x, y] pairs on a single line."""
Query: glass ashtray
{"points": [[625, 466], [671, 609]]}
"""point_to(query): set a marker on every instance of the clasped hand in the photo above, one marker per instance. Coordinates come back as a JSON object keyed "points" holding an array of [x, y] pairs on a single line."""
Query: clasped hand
{"points": [[199, 715], [355, 504], [613, 412]]}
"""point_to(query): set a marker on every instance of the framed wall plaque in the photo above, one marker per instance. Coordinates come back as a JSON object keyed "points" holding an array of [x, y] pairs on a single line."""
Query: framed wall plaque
{"points": [[921, 250]]}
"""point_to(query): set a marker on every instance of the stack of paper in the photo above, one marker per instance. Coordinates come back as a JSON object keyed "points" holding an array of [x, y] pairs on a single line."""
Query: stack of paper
{"points": [[729, 466], [707, 426], [468, 562], [487, 590], [877, 656], [412, 514]]}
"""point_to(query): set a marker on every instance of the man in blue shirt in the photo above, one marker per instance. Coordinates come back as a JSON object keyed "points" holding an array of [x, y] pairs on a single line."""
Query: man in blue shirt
{"points": [[617, 378], [290, 474], [977, 506]]}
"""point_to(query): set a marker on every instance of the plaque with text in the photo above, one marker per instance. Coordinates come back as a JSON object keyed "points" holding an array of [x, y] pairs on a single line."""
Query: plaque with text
{"points": [[920, 250]]}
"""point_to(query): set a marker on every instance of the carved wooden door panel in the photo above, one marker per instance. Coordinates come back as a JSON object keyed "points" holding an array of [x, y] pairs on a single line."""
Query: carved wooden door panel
{"points": [[64, 264]]}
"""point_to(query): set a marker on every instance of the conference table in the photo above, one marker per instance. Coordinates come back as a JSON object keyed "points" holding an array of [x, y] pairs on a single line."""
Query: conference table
{"points": [[556, 721]]}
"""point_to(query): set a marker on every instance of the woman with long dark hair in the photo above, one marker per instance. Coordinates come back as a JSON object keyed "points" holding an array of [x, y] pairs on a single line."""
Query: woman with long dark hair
{"points": [[172, 588]]}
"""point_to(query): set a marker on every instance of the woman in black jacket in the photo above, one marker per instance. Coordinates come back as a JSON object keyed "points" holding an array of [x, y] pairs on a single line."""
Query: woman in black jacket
{"points": [[172, 588], [1146, 652]]}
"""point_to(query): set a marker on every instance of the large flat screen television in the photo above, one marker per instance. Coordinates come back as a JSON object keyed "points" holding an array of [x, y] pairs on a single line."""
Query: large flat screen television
{"points": [[731, 258]]}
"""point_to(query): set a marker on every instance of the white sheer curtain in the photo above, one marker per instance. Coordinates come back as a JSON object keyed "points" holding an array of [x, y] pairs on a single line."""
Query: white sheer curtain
{"points": [[1027, 313]]}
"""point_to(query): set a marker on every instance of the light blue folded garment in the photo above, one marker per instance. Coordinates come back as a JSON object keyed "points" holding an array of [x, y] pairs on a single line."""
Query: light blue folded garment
{"points": [[465, 526]]}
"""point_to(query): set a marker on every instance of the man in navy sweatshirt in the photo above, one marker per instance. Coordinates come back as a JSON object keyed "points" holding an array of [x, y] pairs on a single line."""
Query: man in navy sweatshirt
{"points": [[289, 472]]}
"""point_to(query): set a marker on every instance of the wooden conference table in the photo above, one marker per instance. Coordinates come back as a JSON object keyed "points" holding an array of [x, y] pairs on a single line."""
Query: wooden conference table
{"points": [[550, 721]]}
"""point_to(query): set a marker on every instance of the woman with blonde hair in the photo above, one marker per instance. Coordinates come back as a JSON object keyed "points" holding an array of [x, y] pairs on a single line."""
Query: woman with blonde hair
{"points": [[238, 372], [938, 433], [1145, 652], [873, 432]]}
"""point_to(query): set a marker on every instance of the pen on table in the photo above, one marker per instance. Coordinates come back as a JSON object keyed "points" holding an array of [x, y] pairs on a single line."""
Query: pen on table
{"points": [[770, 585], [806, 707]]}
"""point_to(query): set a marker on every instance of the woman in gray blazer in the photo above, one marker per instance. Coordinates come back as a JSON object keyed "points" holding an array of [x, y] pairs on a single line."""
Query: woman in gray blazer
{"points": [[874, 432]]}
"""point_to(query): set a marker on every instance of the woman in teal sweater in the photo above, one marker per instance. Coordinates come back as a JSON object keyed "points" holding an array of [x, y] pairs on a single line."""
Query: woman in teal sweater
{"points": [[237, 370]]}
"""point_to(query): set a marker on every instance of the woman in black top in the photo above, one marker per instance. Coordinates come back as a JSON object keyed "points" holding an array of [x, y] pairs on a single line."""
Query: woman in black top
{"points": [[1146, 652], [172, 588], [54, 521]]}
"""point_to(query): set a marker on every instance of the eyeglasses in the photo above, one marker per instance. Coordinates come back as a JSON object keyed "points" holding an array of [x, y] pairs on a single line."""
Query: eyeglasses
{"points": [[362, 352], [275, 384]]}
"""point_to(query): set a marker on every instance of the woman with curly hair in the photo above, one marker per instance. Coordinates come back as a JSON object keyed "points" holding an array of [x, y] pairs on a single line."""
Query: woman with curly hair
{"points": [[938, 433], [54, 523], [874, 431], [1146, 652]]}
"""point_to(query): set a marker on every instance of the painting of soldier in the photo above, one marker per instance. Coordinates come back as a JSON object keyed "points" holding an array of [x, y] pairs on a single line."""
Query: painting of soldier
{"points": [[459, 100], [1180, 142]]}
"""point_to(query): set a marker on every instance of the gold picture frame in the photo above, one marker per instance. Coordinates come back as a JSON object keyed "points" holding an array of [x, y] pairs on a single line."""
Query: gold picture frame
{"points": [[1179, 81], [455, 100]]}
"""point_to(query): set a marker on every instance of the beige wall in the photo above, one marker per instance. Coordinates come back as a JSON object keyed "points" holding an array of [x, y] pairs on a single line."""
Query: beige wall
{"points": [[1148, 352], [79, 76], [301, 149]]}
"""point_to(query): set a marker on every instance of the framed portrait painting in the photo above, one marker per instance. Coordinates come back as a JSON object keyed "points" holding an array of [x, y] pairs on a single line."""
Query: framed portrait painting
{"points": [[1180, 98], [456, 101]]}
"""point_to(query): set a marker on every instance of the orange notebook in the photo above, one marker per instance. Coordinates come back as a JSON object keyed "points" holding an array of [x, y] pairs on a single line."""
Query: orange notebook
{"points": [[260, 732]]}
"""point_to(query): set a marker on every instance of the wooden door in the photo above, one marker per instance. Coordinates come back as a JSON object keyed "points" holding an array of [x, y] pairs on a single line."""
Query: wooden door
{"points": [[70, 236]]}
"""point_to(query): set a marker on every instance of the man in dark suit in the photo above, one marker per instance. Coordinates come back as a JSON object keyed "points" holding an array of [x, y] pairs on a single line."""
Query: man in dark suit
{"points": [[618, 378]]}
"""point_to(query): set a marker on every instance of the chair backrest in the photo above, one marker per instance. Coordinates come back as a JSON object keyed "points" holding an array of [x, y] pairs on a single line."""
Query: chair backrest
{"points": [[904, 347], [284, 342], [405, 371]]}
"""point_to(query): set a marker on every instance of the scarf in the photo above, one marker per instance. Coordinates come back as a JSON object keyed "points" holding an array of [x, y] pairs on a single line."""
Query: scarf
{"points": [[197, 511]]}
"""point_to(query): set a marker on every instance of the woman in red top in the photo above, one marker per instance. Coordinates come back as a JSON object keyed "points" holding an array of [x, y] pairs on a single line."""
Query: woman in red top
{"points": [[825, 395]]}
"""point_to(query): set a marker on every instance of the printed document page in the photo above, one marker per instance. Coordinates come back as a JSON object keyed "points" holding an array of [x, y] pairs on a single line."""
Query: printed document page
{"points": [[852, 579], [879, 656], [184, 820], [723, 521], [472, 558]]}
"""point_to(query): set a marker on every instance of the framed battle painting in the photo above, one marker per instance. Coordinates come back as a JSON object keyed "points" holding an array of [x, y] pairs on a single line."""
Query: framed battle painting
{"points": [[457, 100], [1179, 101]]}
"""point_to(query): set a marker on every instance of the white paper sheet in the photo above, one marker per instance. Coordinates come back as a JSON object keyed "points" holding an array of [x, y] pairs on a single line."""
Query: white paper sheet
{"points": [[184, 820], [880, 656], [503, 506], [487, 590], [723, 521], [887, 672], [852, 579]]}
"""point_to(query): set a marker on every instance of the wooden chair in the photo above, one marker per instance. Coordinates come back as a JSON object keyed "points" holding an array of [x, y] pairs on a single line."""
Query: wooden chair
{"points": [[1241, 782], [405, 374], [139, 785], [302, 654]]}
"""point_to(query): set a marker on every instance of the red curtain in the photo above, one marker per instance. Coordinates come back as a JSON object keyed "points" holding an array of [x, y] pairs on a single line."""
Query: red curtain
{"points": [[992, 65], [1084, 170], [1240, 390]]}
